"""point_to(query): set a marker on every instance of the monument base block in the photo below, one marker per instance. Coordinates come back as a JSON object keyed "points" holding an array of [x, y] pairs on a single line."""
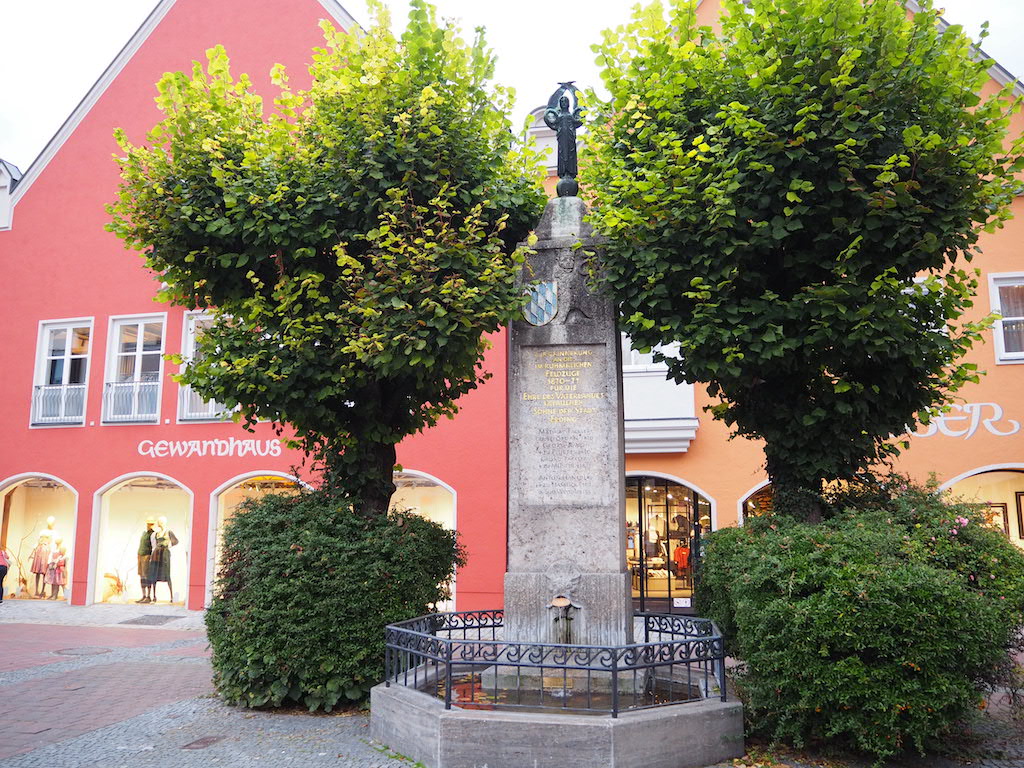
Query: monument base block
{"points": [[601, 612], [691, 735]]}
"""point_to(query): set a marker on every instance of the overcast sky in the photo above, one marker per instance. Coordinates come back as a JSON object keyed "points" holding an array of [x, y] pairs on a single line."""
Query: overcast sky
{"points": [[54, 51]]}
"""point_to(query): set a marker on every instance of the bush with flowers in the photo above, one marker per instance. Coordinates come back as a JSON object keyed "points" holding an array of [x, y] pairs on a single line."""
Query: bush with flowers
{"points": [[879, 629]]}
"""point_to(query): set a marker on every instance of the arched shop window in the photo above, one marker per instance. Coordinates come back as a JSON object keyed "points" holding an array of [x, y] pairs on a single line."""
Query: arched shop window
{"points": [[1002, 491], [37, 528], [664, 523], [758, 503], [144, 534], [425, 496], [228, 501]]}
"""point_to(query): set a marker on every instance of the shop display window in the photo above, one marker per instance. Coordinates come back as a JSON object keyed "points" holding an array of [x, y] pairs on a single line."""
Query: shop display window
{"points": [[758, 503], [1003, 493], [137, 559], [38, 530], [664, 522], [414, 493], [229, 501], [422, 496]]}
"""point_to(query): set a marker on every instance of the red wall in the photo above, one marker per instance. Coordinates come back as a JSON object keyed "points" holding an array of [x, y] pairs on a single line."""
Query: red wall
{"points": [[60, 263]]}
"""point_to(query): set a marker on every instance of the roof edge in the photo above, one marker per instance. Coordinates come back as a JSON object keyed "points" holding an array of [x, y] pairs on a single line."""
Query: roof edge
{"points": [[997, 71], [38, 165], [91, 97]]}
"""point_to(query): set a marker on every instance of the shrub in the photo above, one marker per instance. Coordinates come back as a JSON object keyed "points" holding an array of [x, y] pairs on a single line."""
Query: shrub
{"points": [[877, 630], [305, 590]]}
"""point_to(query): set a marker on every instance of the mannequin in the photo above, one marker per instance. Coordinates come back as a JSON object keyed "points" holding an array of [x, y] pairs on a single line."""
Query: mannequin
{"points": [[40, 558], [162, 540], [144, 556], [57, 568]]}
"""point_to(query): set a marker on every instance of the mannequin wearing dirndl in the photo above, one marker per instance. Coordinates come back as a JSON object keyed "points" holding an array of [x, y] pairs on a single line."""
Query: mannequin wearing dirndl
{"points": [[57, 569], [40, 561], [162, 539]]}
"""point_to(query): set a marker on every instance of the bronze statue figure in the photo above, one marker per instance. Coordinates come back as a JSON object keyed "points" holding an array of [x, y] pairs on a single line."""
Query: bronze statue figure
{"points": [[563, 117]]}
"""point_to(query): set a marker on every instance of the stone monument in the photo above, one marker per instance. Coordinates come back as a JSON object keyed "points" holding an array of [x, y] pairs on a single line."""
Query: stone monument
{"points": [[566, 580], [536, 673]]}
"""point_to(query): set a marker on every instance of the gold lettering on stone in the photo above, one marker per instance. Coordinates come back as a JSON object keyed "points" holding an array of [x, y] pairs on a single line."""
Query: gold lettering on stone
{"points": [[567, 418]]}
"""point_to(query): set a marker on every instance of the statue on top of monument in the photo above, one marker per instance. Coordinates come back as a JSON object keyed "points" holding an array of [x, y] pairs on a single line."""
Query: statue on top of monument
{"points": [[563, 117]]}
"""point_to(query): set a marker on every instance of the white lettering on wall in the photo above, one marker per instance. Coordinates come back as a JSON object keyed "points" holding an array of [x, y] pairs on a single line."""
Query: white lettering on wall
{"points": [[965, 419], [202, 448]]}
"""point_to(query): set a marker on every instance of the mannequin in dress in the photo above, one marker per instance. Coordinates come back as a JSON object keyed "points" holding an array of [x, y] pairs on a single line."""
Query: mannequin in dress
{"points": [[40, 558], [162, 540], [57, 568]]}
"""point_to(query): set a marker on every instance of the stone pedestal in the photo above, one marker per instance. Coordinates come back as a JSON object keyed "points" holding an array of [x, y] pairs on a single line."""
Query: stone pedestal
{"points": [[566, 502]]}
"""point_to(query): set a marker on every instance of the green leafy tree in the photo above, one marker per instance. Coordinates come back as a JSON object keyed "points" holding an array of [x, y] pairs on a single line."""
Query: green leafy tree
{"points": [[355, 241], [793, 200]]}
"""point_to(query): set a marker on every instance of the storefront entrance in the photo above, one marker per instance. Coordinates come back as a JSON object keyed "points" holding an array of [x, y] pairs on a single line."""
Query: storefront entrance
{"points": [[37, 528], [664, 524], [1002, 491], [144, 513]]}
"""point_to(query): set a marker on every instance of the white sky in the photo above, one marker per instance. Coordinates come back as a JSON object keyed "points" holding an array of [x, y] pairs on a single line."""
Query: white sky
{"points": [[53, 52]]}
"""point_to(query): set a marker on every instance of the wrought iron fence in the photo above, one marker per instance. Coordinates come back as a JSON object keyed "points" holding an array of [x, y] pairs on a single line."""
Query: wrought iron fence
{"points": [[58, 404], [463, 659]]}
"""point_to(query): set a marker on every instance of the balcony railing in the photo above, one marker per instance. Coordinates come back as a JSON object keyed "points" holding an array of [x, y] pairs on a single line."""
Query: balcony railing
{"points": [[58, 404], [131, 401], [192, 407]]}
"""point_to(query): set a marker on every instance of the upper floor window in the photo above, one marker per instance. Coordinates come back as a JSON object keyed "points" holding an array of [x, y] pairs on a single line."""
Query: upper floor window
{"points": [[1007, 296], [62, 365], [134, 368], [635, 360], [192, 407]]}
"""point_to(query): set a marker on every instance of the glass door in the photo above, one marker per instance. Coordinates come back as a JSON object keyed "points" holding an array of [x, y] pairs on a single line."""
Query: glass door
{"points": [[664, 522]]}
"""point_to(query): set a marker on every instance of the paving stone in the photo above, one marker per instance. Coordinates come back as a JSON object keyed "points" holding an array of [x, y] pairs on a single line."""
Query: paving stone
{"points": [[142, 704]]}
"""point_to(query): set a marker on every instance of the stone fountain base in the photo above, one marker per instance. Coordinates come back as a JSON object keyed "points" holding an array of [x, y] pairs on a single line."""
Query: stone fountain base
{"points": [[418, 726]]}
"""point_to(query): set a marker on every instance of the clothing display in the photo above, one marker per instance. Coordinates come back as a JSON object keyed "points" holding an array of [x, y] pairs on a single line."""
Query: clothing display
{"points": [[57, 568], [681, 556], [160, 559], [145, 555], [40, 556]]}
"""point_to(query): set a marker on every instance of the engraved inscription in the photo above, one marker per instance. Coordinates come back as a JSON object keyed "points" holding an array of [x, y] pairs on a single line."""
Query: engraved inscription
{"points": [[567, 418]]}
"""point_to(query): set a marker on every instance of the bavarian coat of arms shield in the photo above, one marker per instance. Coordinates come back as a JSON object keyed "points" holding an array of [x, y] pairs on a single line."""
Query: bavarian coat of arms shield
{"points": [[543, 304]]}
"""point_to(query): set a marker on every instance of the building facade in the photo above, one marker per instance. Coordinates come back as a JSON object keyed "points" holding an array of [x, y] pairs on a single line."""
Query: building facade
{"points": [[98, 438]]}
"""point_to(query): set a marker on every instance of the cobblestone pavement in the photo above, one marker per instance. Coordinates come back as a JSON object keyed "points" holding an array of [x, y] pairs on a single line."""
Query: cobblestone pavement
{"points": [[80, 689]]}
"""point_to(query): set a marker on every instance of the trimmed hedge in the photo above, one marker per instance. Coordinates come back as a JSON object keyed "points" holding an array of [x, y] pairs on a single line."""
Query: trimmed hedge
{"points": [[305, 590], [877, 630]]}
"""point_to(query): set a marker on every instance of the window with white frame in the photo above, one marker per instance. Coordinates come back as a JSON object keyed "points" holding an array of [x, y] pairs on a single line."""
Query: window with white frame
{"points": [[134, 367], [62, 368], [192, 407], [634, 359], [1007, 296]]}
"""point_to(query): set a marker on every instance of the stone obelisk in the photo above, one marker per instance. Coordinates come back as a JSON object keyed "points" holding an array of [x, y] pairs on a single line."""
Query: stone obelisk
{"points": [[566, 579]]}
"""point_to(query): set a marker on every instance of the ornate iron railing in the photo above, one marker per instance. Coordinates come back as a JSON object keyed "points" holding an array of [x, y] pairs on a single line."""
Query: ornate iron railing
{"points": [[463, 659]]}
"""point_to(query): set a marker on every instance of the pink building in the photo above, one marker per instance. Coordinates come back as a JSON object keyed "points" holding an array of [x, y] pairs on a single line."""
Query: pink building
{"points": [[98, 437]]}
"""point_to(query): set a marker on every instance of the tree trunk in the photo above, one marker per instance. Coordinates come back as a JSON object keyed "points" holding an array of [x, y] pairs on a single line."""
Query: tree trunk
{"points": [[364, 475], [794, 495]]}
